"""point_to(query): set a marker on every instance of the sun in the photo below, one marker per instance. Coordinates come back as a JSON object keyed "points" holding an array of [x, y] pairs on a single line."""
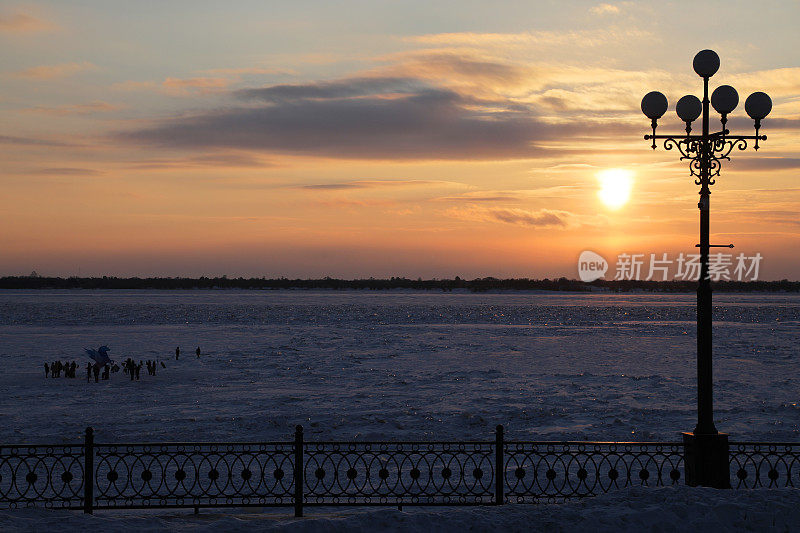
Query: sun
{"points": [[615, 187]]}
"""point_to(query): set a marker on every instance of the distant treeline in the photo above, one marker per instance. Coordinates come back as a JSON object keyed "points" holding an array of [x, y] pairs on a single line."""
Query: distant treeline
{"points": [[474, 285]]}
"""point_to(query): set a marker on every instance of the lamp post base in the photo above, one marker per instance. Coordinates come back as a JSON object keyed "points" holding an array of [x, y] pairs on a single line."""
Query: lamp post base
{"points": [[705, 460]]}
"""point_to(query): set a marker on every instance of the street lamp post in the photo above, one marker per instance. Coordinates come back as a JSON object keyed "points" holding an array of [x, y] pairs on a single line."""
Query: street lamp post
{"points": [[706, 449]]}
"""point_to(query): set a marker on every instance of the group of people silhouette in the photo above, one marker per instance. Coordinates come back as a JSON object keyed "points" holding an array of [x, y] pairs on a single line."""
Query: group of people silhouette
{"points": [[178, 352], [94, 370], [97, 371], [55, 369]]}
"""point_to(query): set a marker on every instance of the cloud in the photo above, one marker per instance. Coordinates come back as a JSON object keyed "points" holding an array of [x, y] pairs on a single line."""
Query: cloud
{"points": [[202, 85], [777, 82], [478, 198], [605, 9], [339, 89], [456, 68], [764, 163], [744, 125], [368, 118], [484, 196], [206, 160], [542, 38], [349, 203], [246, 70], [62, 70], [133, 85], [19, 22], [29, 141], [523, 217], [371, 184], [530, 218], [75, 109], [332, 186], [559, 89], [66, 171]]}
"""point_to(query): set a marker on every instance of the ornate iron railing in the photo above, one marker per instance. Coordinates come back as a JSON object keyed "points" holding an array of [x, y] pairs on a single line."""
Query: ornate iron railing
{"points": [[299, 473], [764, 464], [551, 471], [49, 474], [398, 473], [193, 475]]}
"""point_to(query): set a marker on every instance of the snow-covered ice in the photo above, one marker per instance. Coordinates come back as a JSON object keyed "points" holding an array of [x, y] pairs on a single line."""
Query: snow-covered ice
{"points": [[626, 510], [392, 365], [406, 365]]}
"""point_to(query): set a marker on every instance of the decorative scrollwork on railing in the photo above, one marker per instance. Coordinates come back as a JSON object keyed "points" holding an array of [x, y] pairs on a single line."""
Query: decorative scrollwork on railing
{"points": [[755, 465], [157, 475], [549, 471], [399, 473], [186, 474], [48, 475]]}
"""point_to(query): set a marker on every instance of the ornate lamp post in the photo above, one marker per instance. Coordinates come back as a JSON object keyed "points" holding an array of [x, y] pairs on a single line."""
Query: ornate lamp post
{"points": [[706, 450]]}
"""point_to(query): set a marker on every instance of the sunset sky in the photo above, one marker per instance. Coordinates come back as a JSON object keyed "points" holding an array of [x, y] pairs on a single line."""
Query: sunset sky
{"points": [[356, 139]]}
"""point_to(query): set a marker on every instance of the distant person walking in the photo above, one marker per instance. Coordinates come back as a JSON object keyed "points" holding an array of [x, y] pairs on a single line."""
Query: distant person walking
{"points": [[197, 352], [88, 372], [96, 372], [46, 369], [177, 352]]}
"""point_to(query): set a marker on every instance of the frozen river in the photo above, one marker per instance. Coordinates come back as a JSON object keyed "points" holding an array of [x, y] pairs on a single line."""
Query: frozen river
{"points": [[410, 365]]}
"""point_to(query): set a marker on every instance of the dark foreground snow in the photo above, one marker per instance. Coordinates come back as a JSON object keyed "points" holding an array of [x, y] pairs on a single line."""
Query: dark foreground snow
{"points": [[636, 509]]}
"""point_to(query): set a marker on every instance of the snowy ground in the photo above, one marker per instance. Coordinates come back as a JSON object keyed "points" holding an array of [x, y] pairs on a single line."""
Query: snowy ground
{"points": [[634, 510], [391, 365], [406, 365]]}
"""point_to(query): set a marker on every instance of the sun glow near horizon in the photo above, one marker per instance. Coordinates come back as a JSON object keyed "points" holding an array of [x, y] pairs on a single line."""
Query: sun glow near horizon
{"points": [[615, 187]]}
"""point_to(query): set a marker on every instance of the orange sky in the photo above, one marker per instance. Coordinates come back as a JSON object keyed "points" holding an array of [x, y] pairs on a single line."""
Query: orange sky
{"points": [[419, 140]]}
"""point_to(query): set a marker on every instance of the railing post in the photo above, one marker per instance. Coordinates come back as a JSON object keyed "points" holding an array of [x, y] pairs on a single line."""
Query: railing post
{"points": [[499, 472], [706, 460], [298, 471], [88, 471]]}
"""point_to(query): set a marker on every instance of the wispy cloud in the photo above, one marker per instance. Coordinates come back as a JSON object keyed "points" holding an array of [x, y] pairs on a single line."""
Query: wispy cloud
{"points": [[350, 203], [337, 89], [530, 218], [765, 163], [242, 160], [428, 123], [21, 22], [479, 198], [549, 38], [135, 85], [31, 141], [369, 118], [777, 82], [75, 109], [245, 71], [44, 72], [441, 104], [202, 85], [483, 196], [523, 217], [506, 196], [605, 9], [65, 171], [372, 184]]}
